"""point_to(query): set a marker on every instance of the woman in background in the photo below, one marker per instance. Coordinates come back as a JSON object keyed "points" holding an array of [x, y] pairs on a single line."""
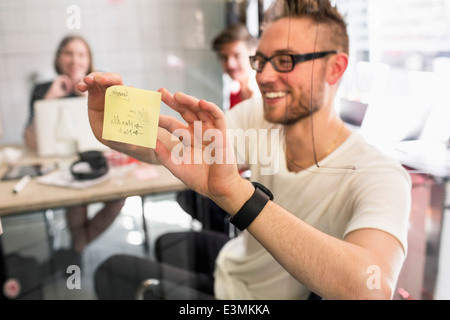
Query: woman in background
{"points": [[73, 61]]}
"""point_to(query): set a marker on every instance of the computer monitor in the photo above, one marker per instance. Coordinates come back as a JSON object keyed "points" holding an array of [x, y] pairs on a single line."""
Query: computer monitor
{"points": [[46, 118]]}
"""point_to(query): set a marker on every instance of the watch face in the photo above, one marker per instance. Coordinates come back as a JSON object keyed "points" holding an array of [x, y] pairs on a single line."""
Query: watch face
{"points": [[264, 189], [250, 210]]}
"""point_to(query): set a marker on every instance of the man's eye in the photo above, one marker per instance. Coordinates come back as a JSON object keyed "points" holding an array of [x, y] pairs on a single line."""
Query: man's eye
{"points": [[284, 60]]}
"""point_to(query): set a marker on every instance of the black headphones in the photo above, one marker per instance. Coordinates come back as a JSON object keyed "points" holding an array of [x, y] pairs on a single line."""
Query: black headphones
{"points": [[91, 165]]}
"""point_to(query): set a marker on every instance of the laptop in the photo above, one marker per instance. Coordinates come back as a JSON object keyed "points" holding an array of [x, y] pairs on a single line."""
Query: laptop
{"points": [[46, 118]]}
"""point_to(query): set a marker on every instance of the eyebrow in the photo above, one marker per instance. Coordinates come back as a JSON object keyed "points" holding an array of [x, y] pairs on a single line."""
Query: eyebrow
{"points": [[282, 51]]}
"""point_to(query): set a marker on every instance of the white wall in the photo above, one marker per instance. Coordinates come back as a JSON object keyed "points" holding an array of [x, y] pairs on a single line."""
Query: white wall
{"points": [[152, 43]]}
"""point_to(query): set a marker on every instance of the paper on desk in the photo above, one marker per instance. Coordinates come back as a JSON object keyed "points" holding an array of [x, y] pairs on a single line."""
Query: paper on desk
{"points": [[64, 178], [146, 172], [131, 115]]}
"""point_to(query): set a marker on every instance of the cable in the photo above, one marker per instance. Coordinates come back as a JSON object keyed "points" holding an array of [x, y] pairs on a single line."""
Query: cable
{"points": [[316, 162]]}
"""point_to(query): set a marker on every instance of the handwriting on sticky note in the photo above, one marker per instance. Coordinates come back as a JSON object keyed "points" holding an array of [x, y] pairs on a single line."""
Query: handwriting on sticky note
{"points": [[131, 115]]}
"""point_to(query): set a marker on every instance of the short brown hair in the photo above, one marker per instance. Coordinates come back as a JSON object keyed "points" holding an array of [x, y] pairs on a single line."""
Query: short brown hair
{"points": [[320, 12], [233, 33], [64, 42]]}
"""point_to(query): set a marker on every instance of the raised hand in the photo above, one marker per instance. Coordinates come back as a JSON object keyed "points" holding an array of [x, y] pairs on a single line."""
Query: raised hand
{"points": [[198, 152], [61, 87], [96, 84], [204, 159]]}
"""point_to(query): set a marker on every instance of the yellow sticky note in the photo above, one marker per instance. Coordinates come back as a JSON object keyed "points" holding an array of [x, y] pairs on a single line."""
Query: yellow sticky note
{"points": [[131, 115]]}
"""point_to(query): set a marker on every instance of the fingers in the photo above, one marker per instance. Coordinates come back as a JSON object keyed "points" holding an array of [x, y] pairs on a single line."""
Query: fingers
{"points": [[193, 109], [171, 124], [205, 111], [98, 80], [108, 79], [65, 83], [177, 130], [183, 107], [215, 115], [82, 86], [177, 101]]}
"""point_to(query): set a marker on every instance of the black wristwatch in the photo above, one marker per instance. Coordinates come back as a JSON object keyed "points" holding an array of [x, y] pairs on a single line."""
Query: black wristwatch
{"points": [[252, 207]]}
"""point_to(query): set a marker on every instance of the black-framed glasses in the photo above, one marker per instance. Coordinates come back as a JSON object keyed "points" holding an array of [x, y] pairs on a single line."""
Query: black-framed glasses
{"points": [[283, 62]]}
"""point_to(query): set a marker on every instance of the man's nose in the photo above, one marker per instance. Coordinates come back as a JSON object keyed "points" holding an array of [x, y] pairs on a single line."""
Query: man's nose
{"points": [[267, 74]]}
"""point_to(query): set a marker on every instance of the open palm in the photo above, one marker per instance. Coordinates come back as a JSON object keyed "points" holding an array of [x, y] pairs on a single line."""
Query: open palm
{"points": [[203, 157]]}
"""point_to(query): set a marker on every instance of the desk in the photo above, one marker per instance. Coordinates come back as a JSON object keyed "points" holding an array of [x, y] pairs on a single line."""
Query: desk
{"points": [[36, 196], [425, 156], [40, 197]]}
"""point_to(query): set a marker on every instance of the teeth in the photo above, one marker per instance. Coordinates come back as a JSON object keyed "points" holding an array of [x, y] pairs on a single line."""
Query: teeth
{"points": [[273, 95]]}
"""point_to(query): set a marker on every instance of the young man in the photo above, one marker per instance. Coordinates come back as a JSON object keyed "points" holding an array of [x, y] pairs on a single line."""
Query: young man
{"points": [[233, 46], [337, 225]]}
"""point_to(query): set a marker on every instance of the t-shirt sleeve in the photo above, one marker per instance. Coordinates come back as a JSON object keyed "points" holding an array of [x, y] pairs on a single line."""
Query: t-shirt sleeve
{"points": [[383, 201]]}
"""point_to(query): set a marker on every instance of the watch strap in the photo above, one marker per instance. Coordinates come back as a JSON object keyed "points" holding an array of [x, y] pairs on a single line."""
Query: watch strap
{"points": [[251, 209]]}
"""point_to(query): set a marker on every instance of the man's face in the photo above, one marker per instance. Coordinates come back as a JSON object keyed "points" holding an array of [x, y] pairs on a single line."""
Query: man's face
{"points": [[287, 96], [234, 58]]}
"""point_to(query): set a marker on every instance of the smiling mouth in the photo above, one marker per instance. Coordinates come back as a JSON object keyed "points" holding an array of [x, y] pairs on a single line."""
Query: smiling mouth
{"points": [[275, 94]]}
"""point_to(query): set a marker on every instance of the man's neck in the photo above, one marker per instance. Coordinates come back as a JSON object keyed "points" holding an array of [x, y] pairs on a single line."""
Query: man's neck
{"points": [[313, 139]]}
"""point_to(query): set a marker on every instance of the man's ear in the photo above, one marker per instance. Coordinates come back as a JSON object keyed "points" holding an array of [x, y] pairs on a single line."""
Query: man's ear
{"points": [[337, 65]]}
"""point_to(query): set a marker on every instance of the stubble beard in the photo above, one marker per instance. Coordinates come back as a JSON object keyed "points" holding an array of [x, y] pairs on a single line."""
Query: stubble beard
{"points": [[294, 112]]}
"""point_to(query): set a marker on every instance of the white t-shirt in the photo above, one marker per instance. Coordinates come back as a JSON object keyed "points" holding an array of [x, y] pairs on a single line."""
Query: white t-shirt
{"points": [[355, 187]]}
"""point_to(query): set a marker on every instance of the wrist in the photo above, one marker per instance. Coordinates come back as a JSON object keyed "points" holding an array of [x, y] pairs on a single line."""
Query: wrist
{"points": [[252, 207], [240, 194]]}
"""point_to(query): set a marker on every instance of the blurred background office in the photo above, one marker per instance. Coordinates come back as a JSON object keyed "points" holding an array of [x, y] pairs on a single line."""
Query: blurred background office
{"points": [[151, 43], [167, 43], [396, 87]]}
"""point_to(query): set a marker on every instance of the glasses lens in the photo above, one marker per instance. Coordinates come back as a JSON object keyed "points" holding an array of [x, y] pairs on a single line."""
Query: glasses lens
{"points": [[283, 63], [257, 63]]}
